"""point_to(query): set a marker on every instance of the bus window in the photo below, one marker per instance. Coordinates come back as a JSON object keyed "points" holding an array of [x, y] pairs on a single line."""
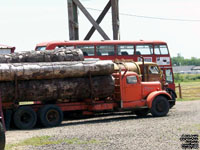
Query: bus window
{"points": [[125, 49], [64, 46], [88, 50], [105, 50], [41, 48], [144, 49], [168, 76], [161, 50]]}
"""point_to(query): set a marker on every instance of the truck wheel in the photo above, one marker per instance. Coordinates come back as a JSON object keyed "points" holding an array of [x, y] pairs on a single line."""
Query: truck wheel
{"points": [[50, 116], [25, 117], [142, 112], [171, 104], [2, 137], [160, 106]]}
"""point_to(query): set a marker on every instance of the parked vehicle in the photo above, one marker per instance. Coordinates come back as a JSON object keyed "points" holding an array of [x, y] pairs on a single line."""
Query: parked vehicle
{"points": [[130, 94], [4, 49]]}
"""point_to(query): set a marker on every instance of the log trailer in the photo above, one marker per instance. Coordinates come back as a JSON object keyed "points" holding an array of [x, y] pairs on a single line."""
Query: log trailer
{"points": [[130, 94]]}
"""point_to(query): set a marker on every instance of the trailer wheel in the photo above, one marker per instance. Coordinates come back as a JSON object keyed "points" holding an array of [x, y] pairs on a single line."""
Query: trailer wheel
{"points": [[25, 117], [50, 116], [160, 106], [142, 112], [2, 137]]}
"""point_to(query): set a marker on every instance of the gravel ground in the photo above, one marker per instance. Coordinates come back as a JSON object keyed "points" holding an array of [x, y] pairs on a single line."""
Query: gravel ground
{"points": [[119, 131]]}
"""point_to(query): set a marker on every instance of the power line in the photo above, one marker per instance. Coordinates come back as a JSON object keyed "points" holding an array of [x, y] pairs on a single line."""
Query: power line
{"points": [[152, 17]]}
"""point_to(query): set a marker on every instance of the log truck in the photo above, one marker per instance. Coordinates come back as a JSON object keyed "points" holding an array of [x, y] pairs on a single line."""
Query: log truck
{"points": [[82, 86], [130, 94]]}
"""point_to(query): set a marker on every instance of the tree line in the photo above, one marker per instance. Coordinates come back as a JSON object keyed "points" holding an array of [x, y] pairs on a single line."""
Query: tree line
{"points": [[181, 61]]}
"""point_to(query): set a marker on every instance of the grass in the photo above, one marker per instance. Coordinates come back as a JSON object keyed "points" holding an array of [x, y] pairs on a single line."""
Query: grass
{"points": [[190, 90], [187, 77], [48, 140]]}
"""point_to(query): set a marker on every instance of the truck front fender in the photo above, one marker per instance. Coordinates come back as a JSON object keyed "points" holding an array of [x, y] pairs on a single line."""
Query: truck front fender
{"points": [[154, 94]]}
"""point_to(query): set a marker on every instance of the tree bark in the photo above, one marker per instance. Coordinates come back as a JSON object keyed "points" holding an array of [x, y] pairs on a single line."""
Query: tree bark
{"points": [[62, 54], [54, 70], [71, 89]]}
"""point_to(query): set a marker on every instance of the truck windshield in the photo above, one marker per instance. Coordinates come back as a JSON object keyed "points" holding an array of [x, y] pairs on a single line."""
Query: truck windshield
{"points": [[154, 70]]}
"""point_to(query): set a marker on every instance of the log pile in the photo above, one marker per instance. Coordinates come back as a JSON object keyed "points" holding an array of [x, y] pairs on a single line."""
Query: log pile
{"points": [[39, 76], [57, 55]]}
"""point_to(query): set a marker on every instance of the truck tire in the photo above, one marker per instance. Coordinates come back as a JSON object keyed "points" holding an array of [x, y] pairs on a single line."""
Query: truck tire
{"points": [[160, 106], [2, 137], [25, 117], [142, 112], [50, 116]]}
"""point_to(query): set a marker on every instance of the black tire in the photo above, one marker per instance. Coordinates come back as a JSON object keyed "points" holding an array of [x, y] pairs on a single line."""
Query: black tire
{"points": [[160, 106], [2, 137], [25, 117], [50, 116], [171, 104], [173, 95], [142, 112]]}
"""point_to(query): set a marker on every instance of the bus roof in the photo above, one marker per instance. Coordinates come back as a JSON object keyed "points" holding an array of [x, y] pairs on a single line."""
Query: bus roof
{"points": [[100, 42]]}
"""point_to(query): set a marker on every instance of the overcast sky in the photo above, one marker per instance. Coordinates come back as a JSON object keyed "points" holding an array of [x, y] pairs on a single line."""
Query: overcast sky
{"points": [[25, 23]]}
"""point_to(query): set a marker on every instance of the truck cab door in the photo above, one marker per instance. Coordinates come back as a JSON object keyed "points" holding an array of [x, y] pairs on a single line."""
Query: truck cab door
{"points": [[132, 88]]}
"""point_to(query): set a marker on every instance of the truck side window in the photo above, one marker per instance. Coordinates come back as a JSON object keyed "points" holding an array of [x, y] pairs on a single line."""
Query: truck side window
{"points": [[131, 79]]}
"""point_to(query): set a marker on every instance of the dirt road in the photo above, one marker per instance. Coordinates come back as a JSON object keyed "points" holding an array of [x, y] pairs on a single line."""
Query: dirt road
{"points": [[118, 131]]}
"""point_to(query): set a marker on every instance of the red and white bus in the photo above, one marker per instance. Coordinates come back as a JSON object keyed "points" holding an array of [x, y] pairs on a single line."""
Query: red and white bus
{"points": [[152, 51]]}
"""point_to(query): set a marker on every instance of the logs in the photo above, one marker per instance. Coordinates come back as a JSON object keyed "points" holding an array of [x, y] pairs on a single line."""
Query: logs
{"points": [[73, 89], [47, 76], [57, 55], [55, 70]]}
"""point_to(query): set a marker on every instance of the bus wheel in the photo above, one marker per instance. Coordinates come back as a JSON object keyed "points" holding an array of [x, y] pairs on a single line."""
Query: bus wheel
{"points": [[50, 116], [2, 137], [25, 117], [142, 112], [160, 106]]}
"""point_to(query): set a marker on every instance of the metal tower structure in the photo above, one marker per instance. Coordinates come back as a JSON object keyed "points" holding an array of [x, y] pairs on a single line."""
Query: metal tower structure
{"points": [[73, 6]]}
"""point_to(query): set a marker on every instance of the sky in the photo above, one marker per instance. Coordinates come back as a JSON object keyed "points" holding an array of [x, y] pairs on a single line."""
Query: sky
{"points": [[24, 23]]}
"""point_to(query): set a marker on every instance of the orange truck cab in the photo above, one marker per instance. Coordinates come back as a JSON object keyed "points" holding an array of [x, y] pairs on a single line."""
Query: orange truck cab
{"points": [[144, 97]]}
